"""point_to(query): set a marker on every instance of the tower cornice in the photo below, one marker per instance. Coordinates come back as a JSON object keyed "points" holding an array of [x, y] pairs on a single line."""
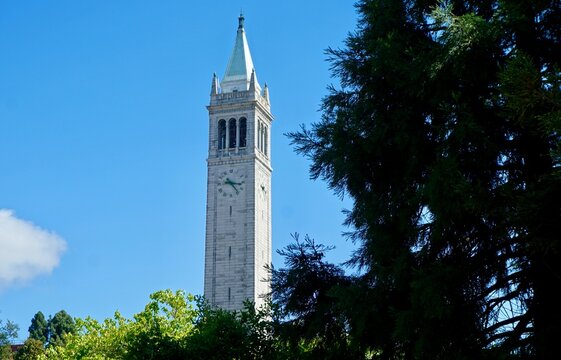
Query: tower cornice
{"points": [[223, 104]]}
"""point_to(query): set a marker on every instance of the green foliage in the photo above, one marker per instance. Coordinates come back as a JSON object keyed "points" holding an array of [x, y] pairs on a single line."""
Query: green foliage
{"points": [[8, 331], [59, 326], [32, 349], [6, 352], [247, 334], [219, 335], [306, 291], [445, 134], [39, 328], [172, 326], [155, 333], [93, 340], [159, 330]]}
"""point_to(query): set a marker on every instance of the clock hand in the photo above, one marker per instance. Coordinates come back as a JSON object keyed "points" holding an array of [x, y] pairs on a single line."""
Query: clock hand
{"points": [[232, 184]]}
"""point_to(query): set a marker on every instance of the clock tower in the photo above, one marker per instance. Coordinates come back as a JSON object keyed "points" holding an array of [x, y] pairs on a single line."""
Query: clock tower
{"points": [[238, 212]]}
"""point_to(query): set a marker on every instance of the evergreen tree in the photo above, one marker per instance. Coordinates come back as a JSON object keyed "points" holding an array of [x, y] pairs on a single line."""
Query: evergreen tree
{"points": [[445, 134], [39, 329], [306, 292], [60, 325]]}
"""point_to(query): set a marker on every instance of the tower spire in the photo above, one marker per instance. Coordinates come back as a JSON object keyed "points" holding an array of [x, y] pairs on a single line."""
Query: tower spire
{"points": [[240, 65]]}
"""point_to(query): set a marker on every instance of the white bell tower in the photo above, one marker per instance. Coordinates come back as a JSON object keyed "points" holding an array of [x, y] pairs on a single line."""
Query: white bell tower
{"points": [[238, 212]]}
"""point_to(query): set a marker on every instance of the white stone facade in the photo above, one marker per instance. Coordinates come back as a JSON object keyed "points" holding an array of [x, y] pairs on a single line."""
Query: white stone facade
{"points": [[238, 221]]}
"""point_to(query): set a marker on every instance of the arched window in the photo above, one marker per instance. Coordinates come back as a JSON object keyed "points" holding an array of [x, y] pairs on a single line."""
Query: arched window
{"points": [[221, 134], [243, 132], [232, 133]]}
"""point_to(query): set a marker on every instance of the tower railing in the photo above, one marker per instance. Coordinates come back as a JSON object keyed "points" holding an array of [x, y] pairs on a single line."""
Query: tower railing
{"points": [[231, 152]]}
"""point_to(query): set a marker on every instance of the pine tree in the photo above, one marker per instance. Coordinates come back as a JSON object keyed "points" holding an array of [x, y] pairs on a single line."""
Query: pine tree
{"points": [[445, 134], [39, 329], [60, 325]]}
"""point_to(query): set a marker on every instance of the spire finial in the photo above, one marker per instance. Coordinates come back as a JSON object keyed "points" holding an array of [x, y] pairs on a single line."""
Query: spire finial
{"points": [[266, 93], [214, 87], [252, 81], [240, 20]]}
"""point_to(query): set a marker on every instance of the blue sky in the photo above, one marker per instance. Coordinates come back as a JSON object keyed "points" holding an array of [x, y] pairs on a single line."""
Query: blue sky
{"points": [[103, 142]]}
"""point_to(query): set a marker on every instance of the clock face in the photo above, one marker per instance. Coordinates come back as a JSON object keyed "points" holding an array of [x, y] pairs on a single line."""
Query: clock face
{"points": [[231, 183]]}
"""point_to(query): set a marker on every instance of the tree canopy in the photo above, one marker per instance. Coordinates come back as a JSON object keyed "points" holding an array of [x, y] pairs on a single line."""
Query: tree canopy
{"points": [[39, 328], [173, 325], [59, 326], [8, 332], [445, 134], [32, 349]]}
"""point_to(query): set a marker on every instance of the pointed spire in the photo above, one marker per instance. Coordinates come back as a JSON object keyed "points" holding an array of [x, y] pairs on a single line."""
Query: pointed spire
{"points": [[252, 81], [214, 87], [266, 93], [240, 65]]}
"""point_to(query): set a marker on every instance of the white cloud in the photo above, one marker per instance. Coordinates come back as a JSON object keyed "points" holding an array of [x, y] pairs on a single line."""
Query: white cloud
{"points": [[26, 250]]}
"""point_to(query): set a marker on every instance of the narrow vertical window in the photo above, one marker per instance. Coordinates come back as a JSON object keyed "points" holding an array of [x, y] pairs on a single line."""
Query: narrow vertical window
{"points": [[229, 294], [259, 135], [229, 252], [243, 132], [221, 134], [232, 133], [266, 140], [262, 137], [257, 125]]}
